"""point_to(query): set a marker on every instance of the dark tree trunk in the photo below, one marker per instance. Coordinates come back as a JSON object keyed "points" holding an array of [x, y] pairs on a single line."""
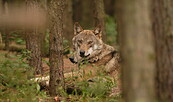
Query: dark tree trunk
{"points": [[6, 30], [56, 12], [1, 13], [137, 50], [77, 10], [68, 21], [44, 47], [99, 16], [1, 7], [163, 33], [7, 40], [109, 7], [83, 12], [33, 43]]}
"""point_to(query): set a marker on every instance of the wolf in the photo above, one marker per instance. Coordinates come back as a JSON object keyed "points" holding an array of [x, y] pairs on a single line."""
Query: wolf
{"points": [[89, 46]]}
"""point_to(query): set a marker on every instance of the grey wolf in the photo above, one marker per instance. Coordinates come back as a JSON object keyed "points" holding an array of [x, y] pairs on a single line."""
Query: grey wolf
{"points": [[88, 45]]}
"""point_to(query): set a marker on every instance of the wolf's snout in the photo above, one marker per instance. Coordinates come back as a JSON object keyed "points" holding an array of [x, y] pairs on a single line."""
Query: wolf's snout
{"points": [[72, 59], [82, 53]]}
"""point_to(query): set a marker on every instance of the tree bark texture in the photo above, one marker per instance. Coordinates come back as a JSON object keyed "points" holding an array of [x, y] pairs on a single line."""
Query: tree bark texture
{"points": [[99, 16], [33, 43], [163, 34], [137, 50], [56, 12]]}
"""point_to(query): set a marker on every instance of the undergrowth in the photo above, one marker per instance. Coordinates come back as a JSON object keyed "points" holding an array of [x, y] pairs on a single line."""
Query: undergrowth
{"points": [[89, 88], [15, 85]]}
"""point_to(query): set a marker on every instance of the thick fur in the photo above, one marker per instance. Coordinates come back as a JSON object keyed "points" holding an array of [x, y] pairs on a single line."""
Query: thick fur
{"points": [[88, 45]]}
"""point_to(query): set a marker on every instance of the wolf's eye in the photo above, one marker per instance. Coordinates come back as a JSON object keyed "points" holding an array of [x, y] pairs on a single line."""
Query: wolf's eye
{"points": [[90, 42], [79, 41]]}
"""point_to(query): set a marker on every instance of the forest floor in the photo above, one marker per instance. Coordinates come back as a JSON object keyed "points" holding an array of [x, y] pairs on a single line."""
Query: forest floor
{"points": [[85, 84]]}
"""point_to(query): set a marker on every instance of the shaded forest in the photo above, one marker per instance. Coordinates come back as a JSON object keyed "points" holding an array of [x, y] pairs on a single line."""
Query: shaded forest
{"points": [[86, 51]]}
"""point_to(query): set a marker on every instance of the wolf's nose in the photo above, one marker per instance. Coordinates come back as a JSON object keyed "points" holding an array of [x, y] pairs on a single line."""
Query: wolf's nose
{"points": [[82, 53]]}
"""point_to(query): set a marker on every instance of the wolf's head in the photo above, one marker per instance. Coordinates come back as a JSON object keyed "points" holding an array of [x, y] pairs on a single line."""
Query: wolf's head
{"points": [[87, 42]]}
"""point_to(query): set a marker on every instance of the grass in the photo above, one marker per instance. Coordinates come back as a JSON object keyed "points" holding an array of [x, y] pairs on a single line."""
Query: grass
{"points": [[15, 85]]}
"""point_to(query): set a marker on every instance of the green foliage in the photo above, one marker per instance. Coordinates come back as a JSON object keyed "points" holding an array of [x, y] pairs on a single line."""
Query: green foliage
{"points": [[92, 89], [20, 41], [111, 31], [15, 85], [45, 46]]}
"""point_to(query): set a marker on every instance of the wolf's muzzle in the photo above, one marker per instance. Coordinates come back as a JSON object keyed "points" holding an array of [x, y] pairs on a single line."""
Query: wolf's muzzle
{"points": [[82, 53], [72, 59]]}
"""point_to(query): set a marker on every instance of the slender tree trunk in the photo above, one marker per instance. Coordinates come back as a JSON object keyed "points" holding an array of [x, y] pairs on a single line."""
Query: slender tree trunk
{"points": [[109, 7], [99, 16], [56, 12], [163, 34], [1, 13], [82, 11], [33, 43], [6, 31], [87, 18], [68, 21], [1, 7], [137, 49], [7, 40], [77, 10], [44, 48]]}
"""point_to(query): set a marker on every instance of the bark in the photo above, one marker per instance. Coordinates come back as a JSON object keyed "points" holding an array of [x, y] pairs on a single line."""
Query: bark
{"points": [[163, 34], [33, 43], [68, 21], [137, 50], [99, 16], [56, 12]]}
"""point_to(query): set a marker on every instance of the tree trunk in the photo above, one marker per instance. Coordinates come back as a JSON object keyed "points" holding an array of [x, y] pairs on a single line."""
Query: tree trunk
{"points": [[109, 7], [68, 21], [99, 16], [7, 40], [137, 49], [33, 43], [56, 12], [44, 47], [1, 7], [163, 33], [6, 30], [83, 12], [77, 10]]}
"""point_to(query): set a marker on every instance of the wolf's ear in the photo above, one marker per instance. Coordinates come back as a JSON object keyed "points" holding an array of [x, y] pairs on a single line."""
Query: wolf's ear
{"points": [[98, 31], [77, 28]]}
